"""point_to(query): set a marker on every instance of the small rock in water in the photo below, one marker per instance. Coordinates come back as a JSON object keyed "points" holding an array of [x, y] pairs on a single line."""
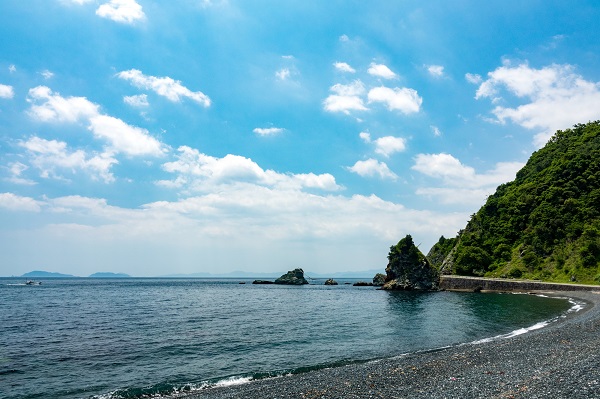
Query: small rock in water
{"points": [[331, 282]]}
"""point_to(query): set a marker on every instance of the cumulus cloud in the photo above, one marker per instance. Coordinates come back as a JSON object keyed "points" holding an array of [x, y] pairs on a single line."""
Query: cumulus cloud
{"points": [[167, 87], [373, 168], [346, 98], [120, 137], [556, 96], [435, 70], [389, 145], [51, 156], [461, 184], [269, 131], [385, 146], [381, 71], [138, 101], [14, 202], [196, 171], [344, 67], [124, 138], [402, 99], [50, 107], [6, 91], [123, 11]]}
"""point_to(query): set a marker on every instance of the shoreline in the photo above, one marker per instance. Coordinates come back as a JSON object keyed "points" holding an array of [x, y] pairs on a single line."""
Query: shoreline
{"points": [[557, 361]]}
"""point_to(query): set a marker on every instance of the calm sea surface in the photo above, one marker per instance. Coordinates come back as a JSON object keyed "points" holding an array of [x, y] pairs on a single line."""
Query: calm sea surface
{"points": [[132, 338]]}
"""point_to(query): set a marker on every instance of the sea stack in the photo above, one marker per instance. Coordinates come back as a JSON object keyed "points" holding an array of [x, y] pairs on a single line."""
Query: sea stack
{"points": [[409, 269], [293, 277]]}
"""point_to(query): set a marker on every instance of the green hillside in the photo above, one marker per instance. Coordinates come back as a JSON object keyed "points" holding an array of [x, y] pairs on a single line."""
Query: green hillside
{"points": [[544, 225]]}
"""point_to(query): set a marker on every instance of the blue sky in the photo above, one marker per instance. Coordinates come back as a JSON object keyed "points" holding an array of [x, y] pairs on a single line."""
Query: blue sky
{"points": [[154, 137]]}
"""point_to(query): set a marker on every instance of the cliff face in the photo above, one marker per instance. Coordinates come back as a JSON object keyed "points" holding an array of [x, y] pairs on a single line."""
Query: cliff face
{"points": [[545, 224], [408, 268]]}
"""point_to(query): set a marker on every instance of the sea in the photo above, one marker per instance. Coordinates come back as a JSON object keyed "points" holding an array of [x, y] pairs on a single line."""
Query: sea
{"points": [[152, 337]]}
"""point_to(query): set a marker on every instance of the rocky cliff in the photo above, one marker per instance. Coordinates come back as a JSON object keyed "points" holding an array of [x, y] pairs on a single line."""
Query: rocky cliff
{"points": [[408, 268]]}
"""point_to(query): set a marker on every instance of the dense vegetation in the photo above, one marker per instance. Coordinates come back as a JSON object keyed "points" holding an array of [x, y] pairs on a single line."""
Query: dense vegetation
{"points": [[543, 225]]}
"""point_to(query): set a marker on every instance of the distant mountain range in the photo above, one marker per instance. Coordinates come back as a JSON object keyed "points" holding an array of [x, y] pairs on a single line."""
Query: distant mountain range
{"points": [[366, 274], [45, 274]]}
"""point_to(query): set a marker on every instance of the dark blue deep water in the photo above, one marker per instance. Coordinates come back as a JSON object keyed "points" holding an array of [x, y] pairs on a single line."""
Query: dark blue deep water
{"points": [[132, 338]]}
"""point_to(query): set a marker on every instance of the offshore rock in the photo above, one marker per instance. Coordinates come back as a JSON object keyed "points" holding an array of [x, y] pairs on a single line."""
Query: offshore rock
{"points": [[262, 282], [379, 280], [331, 282], [409, 269], [362, 284], [293, 277]]}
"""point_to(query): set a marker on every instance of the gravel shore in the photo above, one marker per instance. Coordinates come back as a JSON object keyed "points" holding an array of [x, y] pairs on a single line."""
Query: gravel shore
{"points": [[557, 361]]}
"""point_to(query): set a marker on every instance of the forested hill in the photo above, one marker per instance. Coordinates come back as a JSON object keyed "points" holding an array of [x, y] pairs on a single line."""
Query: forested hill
{"points": [[543, 225]]}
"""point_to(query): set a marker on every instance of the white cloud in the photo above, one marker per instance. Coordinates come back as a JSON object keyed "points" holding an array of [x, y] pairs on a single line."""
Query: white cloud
{"points": [[557, 97], [123, 11], [371, 168], [125, 138], [381, 71], [435, 70], [346, 98], [49, 107], [283, 74], [461, 183], [16, 170], [47, 74], [167, 87], [138, 101], [269, 131], [473, 78], [12, 68], [267, 226], [198, 172], [385, 146], [436, 131], [51, 155], [344, 67], [14, 202], [403, 99], [6, 91], [389, 145], [344, 38]]}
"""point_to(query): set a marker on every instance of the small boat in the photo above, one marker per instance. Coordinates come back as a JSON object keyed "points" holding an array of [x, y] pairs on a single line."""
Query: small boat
{"points": [[31, 282]]}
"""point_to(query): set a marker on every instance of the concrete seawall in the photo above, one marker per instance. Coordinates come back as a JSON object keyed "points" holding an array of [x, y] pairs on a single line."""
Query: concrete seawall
{"points": [[471, 284]]}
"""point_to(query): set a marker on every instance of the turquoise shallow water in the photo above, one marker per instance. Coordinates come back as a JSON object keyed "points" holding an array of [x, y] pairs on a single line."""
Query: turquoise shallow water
{"points": [[133, 338]]}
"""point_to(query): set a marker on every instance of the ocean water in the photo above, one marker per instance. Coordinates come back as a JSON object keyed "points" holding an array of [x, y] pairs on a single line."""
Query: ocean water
{"points": [[134, 338]]}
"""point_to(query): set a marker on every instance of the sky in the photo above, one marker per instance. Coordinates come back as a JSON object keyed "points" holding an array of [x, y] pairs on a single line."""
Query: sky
{"points": [[174, 137]]}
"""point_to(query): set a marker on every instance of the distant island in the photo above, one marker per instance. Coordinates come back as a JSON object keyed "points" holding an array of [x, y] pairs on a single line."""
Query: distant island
{"points": [[109, 275], [44, 274]]}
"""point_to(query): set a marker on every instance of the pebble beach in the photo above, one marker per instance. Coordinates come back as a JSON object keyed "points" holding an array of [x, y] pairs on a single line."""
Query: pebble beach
{"points": [[558, 361]]}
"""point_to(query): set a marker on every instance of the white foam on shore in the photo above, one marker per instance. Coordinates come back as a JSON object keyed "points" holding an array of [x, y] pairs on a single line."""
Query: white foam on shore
{"points": [[575, 307], [231, 381]]}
